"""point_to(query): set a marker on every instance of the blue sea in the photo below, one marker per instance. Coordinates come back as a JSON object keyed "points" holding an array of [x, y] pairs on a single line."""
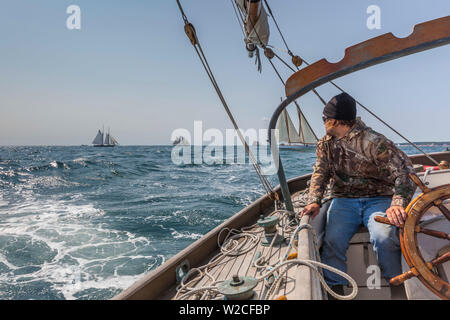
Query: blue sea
{"points": [[85, 223]]}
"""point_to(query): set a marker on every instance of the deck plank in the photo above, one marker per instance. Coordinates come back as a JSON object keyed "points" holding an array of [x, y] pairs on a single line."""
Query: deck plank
{"points": [[243, 265]]}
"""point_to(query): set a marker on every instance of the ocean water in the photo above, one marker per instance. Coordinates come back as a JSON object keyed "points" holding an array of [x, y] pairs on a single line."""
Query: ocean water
{"points": [[85, 223]]}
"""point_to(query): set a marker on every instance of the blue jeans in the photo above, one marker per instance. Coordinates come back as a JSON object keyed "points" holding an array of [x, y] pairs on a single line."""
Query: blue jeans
{"points": [[344, 218]]}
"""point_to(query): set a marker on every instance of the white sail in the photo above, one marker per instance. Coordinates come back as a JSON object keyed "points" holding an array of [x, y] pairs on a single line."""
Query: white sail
{"points": [[112, 141], [287, 131], [288, 134], [107, 139], [282, 129], [294, 137], [98, 138], [307, 134]]}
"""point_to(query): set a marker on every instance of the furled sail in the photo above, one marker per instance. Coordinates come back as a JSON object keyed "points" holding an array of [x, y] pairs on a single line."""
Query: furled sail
{"points": [[98, 138], [307, 134], [260, 32]]}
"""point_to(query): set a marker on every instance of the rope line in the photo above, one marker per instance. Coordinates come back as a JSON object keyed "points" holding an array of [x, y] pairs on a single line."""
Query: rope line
{"points": [[240, 242], [190, 31], [241, 19], [279, 30], [340, 89]]}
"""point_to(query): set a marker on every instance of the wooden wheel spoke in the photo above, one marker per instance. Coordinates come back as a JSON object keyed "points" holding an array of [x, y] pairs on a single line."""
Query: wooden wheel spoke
{"points": [[443, 209], [433, 233], [419, 183], [423, 270], [414, 273], [440, 260]]}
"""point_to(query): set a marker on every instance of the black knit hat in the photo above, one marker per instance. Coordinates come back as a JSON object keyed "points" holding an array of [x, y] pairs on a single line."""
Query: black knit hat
{"points": [[341, 107]]}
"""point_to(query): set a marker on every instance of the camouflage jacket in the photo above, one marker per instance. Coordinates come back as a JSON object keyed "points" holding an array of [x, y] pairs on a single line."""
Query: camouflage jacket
{"points": [[363, 163]]}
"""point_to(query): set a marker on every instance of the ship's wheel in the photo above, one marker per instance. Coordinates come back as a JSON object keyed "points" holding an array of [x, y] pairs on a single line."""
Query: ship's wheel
{"points": [[425, 271]]}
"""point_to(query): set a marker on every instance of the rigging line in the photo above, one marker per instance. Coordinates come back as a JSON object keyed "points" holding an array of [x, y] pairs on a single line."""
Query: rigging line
{"points": [[276, 48], [249, 20], [390, 127], [202, 57], [264, 181], [240, 20], [282, 81], [314, 90], [339, 88], [216, 86], [279, 30], [383, 122], [275, 69], [288, 50], [284, 62], [239, 12], [293, 70], [211, 77], [185, 19]]}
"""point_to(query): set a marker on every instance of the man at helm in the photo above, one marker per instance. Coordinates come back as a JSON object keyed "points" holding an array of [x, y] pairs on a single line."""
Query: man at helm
{"points": [[368, 177]]}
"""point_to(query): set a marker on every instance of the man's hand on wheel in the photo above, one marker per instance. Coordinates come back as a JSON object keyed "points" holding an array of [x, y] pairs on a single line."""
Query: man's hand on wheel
{"points": [[312, 209], [396, 215]]}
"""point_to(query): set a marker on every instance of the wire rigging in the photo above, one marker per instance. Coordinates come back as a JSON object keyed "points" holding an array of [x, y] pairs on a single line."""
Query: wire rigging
{"points": [[269, 9], [239, 17], [191, 33]]}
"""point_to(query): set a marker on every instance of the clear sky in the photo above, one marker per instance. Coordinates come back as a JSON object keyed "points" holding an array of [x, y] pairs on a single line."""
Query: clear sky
{"points": [[131, 68]]}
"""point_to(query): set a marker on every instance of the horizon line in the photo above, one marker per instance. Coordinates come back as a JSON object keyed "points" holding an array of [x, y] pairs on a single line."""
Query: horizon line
{"points": [[192, 145]]}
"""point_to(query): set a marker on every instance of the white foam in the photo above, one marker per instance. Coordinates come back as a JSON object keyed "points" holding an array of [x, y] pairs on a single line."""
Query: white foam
{"points": [[67, 229]]}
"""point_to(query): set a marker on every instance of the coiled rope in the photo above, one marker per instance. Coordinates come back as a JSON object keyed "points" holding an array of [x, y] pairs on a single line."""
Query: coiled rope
{"points": [[239, 242]]}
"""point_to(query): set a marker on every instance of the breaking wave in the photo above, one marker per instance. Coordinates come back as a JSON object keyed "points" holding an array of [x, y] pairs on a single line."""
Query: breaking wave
{"points": [[85, 223]]}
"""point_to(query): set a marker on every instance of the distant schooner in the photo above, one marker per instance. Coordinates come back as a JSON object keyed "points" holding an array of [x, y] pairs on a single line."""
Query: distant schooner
{"points": [[290, 137], [104, 141]]}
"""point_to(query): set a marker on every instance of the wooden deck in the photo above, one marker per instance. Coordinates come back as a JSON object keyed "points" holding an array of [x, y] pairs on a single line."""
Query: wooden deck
{"points": [[299, 282], [225, 266]]}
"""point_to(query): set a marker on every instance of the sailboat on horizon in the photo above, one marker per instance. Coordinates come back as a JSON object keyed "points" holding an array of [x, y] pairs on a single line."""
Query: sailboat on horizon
{"points": [[290, 137], [102, 140]]}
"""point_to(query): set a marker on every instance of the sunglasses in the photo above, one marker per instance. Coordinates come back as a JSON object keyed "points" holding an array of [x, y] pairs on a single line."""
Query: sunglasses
{"points": [[325, 119]]}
